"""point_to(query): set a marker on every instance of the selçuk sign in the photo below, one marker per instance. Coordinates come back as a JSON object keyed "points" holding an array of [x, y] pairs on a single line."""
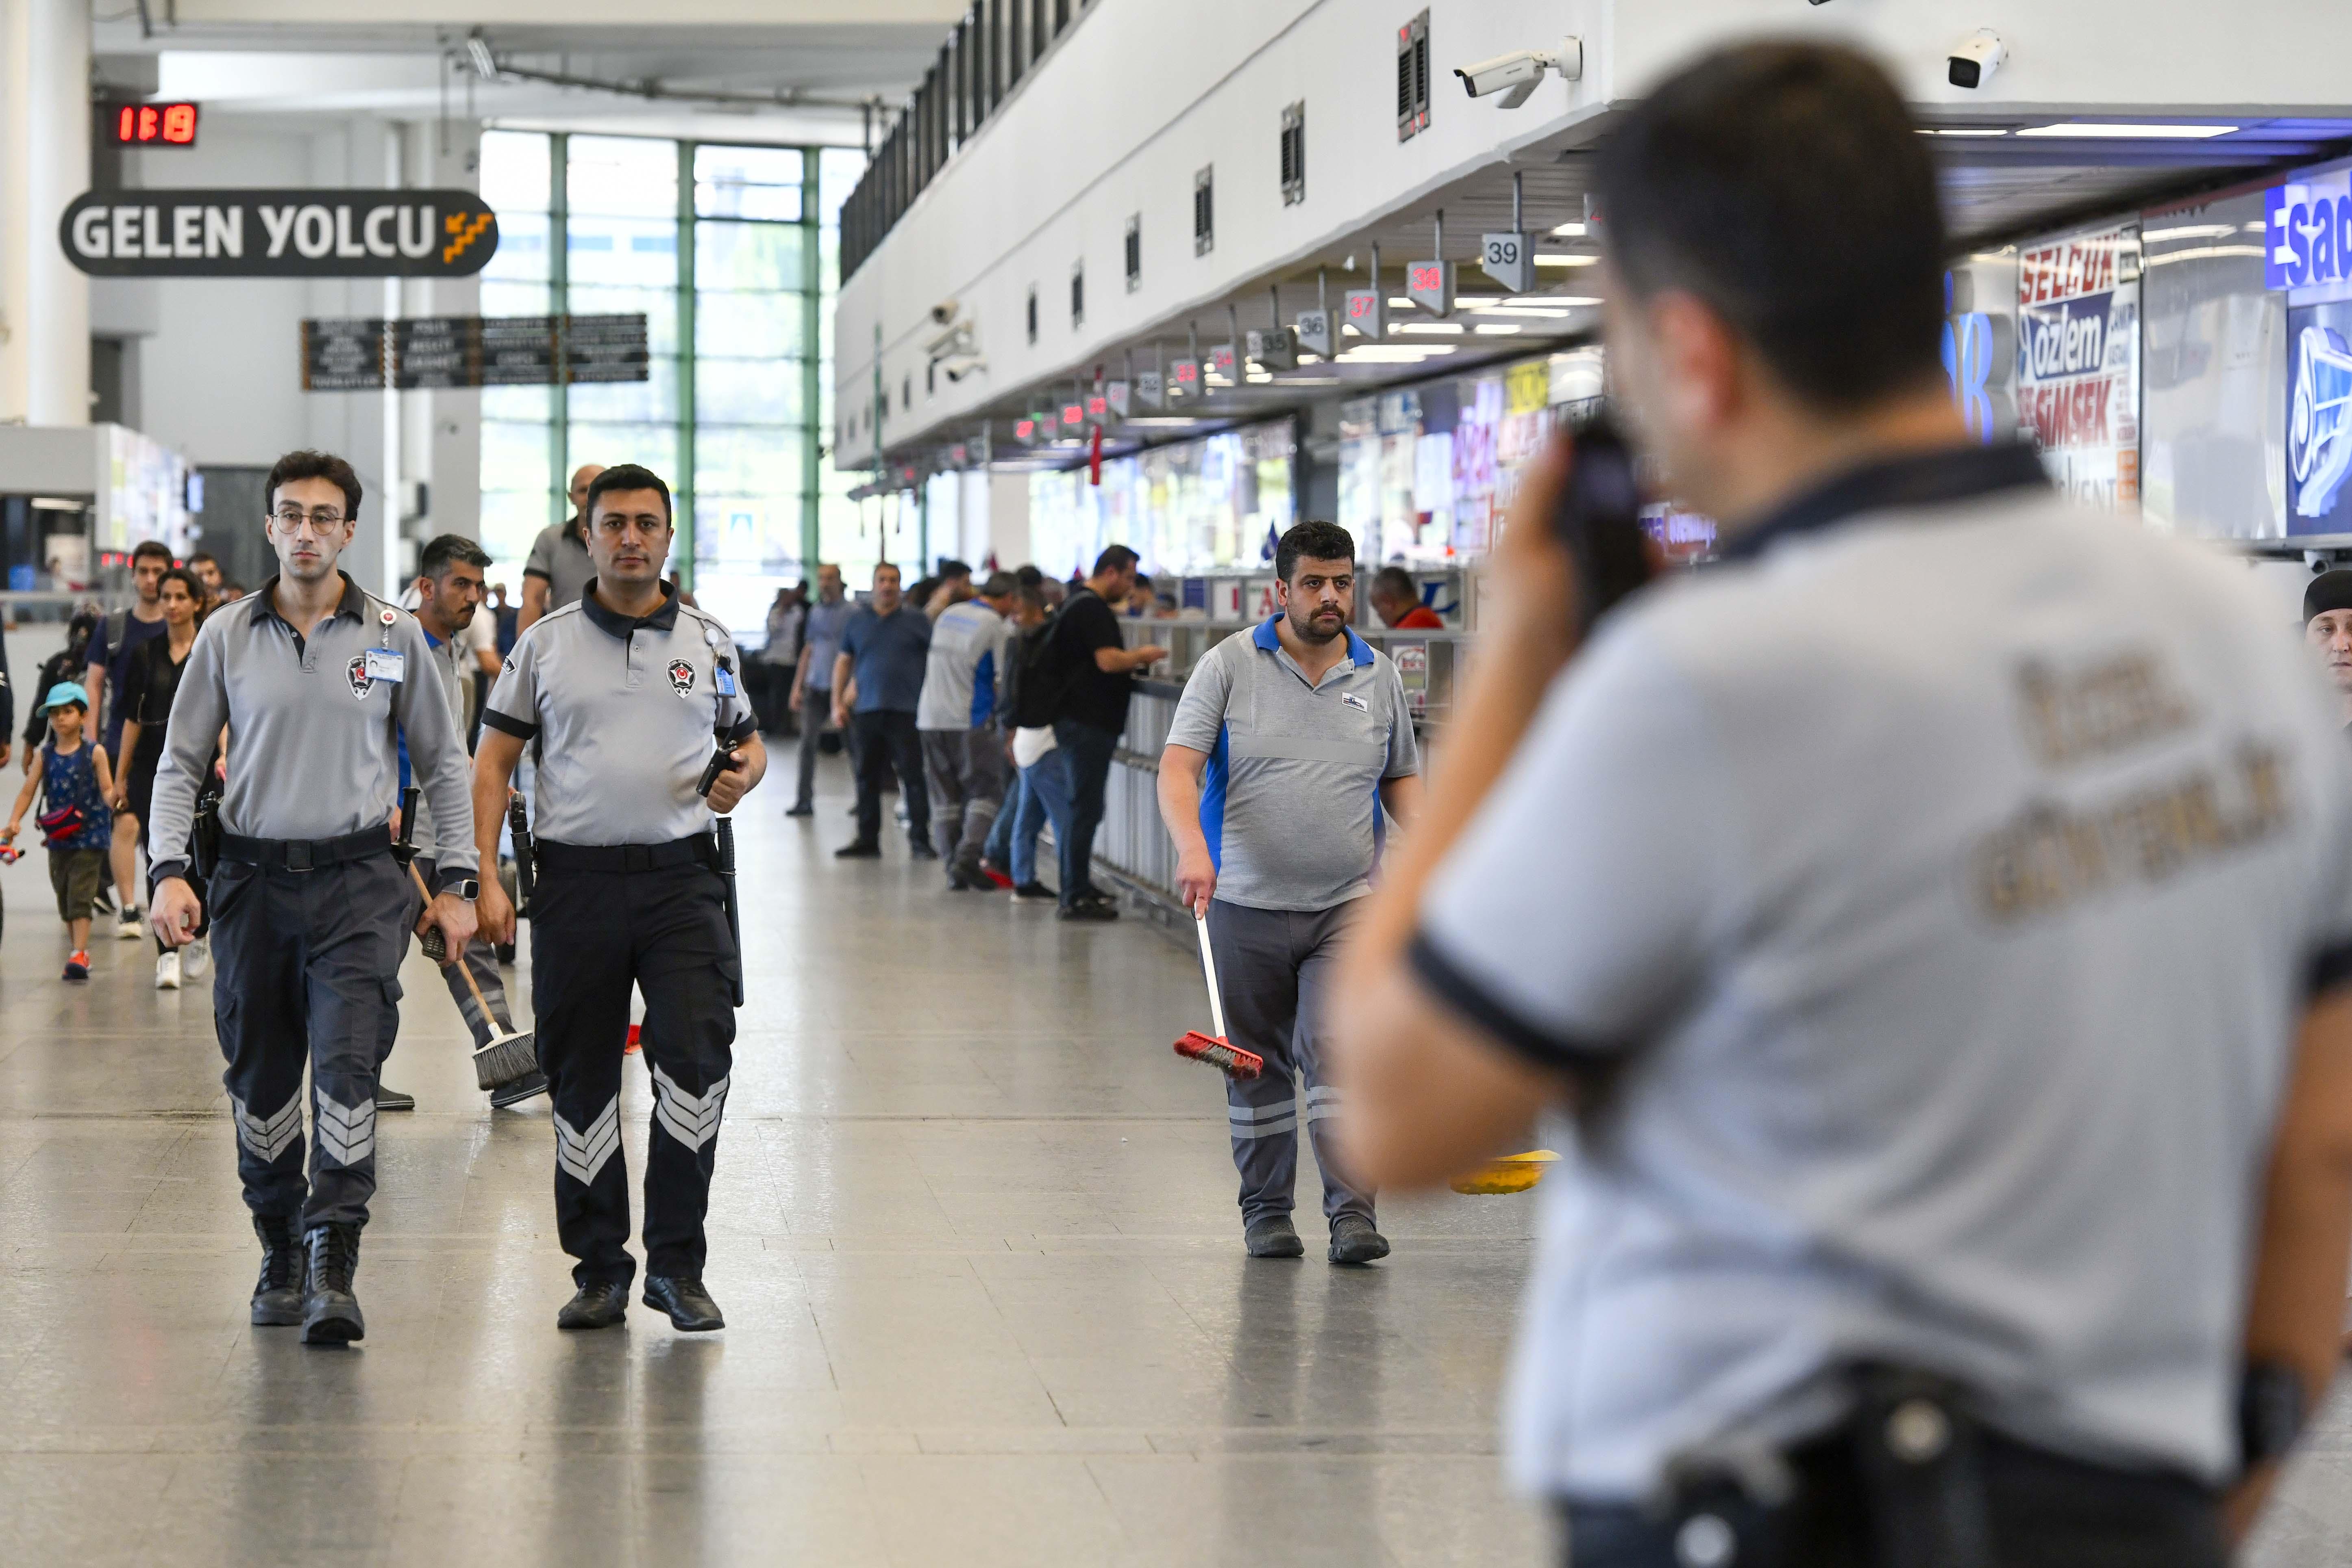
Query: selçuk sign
{"points": [[278, 234]]}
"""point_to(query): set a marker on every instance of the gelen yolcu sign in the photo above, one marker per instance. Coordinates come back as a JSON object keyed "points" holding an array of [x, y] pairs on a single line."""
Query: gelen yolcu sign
{"points": [[278, 234]]}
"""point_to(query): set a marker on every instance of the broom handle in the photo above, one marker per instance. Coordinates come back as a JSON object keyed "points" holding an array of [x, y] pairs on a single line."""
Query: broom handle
{"points": [[463, 968], [1209, 967]]}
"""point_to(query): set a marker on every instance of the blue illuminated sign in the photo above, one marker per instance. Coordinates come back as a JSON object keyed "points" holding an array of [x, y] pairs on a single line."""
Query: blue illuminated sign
{"points": [[2308, 228]]}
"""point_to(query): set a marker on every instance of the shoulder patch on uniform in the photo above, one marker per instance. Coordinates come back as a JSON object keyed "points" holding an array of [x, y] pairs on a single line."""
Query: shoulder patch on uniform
{"points": [[681, 677], [356, 673]]}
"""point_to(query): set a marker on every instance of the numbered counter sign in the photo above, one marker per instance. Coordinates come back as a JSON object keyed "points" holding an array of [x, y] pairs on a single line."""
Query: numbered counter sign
{"points": [[1510, 260], [1368, 313], [1316, 334], [1430, 285]]}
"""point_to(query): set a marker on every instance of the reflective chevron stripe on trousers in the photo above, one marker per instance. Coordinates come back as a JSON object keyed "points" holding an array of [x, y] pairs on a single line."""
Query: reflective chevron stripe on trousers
{"points": [[1275, 967], [595, 934], [306, 974]]}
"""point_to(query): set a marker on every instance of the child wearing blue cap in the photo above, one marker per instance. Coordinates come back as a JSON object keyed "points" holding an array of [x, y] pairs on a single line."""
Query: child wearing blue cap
{"points": [[75, 784]]}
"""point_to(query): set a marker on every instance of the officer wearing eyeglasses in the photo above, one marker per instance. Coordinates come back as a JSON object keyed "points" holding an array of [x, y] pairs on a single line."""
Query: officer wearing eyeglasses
{"points": [[315, 680]]}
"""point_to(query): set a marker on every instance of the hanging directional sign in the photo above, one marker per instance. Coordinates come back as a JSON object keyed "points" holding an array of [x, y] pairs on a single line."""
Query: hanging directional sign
{"points": [[1115, 393], [1150, 391], [1316, 335], [1368, 313], [1430, 285], [1184, 378], [360, 353], [1220, 363], [1510, 260], [278, 234], [344, 355]]}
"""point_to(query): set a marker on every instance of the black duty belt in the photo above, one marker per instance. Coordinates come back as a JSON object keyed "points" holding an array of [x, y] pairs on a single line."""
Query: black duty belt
{"points": [[558, 859], [305, 853]]}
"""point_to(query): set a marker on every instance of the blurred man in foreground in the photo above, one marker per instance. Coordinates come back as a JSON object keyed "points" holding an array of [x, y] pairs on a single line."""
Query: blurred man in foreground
{"points": [[1935, 919]]}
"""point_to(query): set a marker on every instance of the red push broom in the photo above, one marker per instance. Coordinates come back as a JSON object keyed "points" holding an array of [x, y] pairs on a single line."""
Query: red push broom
{"points": [[1216, 1049]]}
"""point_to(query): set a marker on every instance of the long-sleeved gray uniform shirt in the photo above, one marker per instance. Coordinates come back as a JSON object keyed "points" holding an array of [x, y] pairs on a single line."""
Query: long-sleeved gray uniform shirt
{"points": [[313, 725], [626, 711]]}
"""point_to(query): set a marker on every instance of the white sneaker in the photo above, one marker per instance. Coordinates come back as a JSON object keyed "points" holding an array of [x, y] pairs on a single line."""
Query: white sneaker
{"points": [[197, 958], [130, 927], [167, 971]]}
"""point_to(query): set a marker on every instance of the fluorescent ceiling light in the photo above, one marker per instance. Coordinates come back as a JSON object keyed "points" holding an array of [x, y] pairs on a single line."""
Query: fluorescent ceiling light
{"points": [[2204, 252], [2192, 231], [1574, 300], [1498, 329], [1399, 302], [1162, 422], [1569, 230], [1448, 329], [2126, 133], [1370, 353], [1517, 310], [1961, 131], [1556, 260]]}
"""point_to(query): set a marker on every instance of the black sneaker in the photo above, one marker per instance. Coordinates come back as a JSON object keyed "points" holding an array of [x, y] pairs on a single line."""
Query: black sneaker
{"points": [[1085, 909], [392, 1100], [1035, 893], [530, 1083], [858, 849], [596, 1306], [1274, 1236], [801, 809], [1353, 1240], [920, 850]]}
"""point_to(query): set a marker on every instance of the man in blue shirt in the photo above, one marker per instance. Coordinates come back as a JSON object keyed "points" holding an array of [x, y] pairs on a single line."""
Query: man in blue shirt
{"points": [[879, 673]]}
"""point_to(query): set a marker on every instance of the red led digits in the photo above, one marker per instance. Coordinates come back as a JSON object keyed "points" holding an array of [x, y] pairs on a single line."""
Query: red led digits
{"points": [[155, 125]]}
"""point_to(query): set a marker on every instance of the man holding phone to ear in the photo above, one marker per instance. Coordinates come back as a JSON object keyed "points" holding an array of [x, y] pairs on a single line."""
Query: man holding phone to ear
{"points": [[1938, 917]]}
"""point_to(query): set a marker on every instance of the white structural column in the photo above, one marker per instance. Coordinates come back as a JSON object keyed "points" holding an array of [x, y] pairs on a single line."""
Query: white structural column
{"points": [[44, 165]]}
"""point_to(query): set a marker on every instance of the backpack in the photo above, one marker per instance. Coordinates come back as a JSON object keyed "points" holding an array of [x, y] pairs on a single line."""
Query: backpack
{"points": [[1041, 675]]}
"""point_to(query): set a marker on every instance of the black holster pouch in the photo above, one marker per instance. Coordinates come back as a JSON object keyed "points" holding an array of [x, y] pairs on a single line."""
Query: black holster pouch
{"points": [[204, 836], [1898, 1484]]}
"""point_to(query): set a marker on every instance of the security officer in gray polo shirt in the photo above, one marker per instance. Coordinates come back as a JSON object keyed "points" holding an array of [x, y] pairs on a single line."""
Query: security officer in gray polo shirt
{"points": [[1937, 917], [626, 690], [315, 680], [1285, 749]]}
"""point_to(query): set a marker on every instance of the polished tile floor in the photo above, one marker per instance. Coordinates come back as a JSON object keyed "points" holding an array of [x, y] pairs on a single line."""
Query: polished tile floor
{"points": [[974, 1233]]}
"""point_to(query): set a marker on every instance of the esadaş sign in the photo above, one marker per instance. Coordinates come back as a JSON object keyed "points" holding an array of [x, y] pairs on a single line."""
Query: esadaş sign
{"points": [[2308, 231]]}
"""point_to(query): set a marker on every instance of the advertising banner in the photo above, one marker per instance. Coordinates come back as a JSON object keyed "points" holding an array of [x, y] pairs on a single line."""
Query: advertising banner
{"points": [[278, 234], [2078, 359], [2319, 402]]}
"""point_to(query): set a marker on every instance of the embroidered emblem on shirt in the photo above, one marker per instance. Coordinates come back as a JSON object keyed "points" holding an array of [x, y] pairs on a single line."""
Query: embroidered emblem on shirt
{"points": [[681, 677], [1358, 703], [356, 672]]}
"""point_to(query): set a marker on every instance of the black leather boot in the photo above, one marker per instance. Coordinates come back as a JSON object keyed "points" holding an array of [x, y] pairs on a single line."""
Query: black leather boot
{"points": [[277, 1294], [331, 1314]]}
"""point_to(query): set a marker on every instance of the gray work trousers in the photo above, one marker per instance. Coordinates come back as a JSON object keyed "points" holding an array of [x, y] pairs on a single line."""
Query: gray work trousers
{"points": [[964, 771], [481, 959], [1274, 970], [306, 974]]}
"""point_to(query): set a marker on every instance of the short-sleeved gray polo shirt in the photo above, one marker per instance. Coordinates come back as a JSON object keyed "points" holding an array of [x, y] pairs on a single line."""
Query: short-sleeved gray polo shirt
{"points": [[626, 712], [1290, 798], [313, 729], [561, 555], [1940, 881]]}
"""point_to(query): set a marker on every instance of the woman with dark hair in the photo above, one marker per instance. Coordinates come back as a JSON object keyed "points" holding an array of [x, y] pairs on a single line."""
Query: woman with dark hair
{"points": [[62, 666], [152, 681]]}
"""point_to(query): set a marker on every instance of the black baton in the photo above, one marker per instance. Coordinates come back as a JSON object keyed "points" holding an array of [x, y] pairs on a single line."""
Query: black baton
{"points": [[726, 827], [526, 871]]}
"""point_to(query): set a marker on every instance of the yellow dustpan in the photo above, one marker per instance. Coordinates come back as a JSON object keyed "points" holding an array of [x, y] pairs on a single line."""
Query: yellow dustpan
{"points": [[1511, 1174]]}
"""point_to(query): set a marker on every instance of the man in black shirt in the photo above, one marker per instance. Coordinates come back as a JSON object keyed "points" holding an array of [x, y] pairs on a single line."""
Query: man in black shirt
{"points": [[1098, 673]]}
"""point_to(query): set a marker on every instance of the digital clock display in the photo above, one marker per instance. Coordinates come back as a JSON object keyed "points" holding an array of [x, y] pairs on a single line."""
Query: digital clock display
{"points": [[155, 125]]}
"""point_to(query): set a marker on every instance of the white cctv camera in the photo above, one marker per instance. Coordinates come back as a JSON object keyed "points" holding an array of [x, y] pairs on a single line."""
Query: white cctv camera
{"points": [[1976, 57], [962, 365], [945, 310], [1517, 74]]}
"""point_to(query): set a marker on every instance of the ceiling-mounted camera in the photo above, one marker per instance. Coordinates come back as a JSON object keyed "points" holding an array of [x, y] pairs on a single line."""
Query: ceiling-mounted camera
{"points": [[1975, 57], [1517, 74]]}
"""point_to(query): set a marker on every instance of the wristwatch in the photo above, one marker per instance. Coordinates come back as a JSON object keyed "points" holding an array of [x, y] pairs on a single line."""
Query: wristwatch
{"points": [[469, 890]]}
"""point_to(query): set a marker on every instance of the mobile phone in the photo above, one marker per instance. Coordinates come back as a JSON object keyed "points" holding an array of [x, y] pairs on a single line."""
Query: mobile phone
{"points": [[1598, 518]]}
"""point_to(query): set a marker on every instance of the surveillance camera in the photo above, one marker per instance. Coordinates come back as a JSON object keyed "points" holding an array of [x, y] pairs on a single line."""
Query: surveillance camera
{"points": [[945, 311], [962, 365], [1976, 57], [1517, 74]]}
